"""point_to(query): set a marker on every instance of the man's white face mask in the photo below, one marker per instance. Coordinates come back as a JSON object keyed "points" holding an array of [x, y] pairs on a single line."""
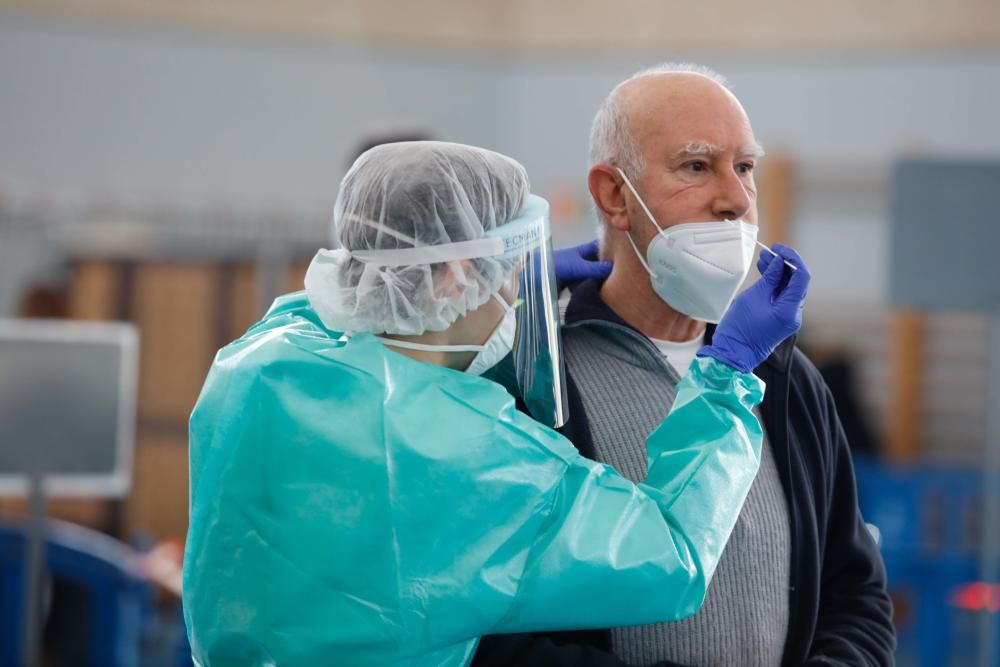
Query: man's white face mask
{"points": [[697, 268]]}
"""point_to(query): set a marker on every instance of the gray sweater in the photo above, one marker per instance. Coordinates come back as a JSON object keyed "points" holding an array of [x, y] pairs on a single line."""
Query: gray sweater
{"points": [[627, 388]]}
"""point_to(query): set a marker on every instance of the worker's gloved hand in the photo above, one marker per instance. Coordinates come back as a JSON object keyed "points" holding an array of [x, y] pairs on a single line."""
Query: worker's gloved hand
{"points": [[764, 315], [579, 263]]}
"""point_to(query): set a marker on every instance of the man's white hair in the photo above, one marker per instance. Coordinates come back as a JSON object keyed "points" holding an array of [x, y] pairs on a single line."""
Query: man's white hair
{"points": [[611, 138]]}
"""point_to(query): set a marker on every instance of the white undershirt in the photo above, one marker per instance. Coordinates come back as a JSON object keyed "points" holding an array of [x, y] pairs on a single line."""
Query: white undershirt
{"points": [[680, 355]]}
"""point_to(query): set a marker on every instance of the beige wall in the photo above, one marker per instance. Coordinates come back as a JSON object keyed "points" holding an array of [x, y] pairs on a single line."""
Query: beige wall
{"points": [[624, 26]]}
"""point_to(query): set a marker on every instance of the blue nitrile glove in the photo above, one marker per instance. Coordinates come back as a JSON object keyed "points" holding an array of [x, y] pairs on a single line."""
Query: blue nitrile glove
{"points": [[579, 263], [764, 315]]}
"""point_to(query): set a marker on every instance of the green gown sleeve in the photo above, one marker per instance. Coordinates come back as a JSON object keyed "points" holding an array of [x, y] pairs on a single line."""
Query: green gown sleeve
{"points": [[610, 553]]}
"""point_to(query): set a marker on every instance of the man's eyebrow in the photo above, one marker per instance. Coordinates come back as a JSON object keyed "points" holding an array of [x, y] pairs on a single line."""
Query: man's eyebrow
{"points": [[754, 150], [706, 149], [698, 149]]}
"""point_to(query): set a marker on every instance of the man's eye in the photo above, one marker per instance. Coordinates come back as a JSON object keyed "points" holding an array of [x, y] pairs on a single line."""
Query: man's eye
{"points": [[745, 167], [697, 165]]}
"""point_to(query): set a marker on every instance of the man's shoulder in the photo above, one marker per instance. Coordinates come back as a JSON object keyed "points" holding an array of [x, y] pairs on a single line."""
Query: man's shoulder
{"points": [[805, 378], [812, 422]]}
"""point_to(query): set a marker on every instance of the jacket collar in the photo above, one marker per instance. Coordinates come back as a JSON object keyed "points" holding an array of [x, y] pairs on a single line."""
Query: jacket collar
{"points": [[586, 305]]}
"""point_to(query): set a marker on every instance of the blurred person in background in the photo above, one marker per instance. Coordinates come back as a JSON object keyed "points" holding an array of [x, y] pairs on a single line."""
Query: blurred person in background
{"points": [[361, 494], [801, 580]]}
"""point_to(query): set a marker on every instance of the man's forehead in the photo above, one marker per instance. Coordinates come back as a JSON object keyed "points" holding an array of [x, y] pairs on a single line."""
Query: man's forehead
{"points": [[675, 113], [703, 148]]}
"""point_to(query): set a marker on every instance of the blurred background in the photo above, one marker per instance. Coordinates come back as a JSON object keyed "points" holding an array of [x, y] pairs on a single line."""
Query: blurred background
{"points": [[174, 165]]}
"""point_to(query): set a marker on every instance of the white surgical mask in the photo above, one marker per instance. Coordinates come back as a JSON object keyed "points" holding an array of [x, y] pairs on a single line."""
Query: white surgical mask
{"points": [[697, 268], [499, 344], [488, 355]]}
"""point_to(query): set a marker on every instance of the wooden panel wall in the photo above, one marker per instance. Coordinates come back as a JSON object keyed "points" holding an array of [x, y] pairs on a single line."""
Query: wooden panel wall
{"points": [[96, 291], [178, 311], [243, 306], [906, 389], [158, 505], [775, 188], [297, 274]]}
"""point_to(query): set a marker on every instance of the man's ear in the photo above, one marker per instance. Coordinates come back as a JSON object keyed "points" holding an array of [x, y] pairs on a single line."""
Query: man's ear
{"points": [[607, 190]]}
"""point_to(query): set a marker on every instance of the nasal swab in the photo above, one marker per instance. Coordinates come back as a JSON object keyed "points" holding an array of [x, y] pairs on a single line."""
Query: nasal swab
{"points": [[787, 263]]}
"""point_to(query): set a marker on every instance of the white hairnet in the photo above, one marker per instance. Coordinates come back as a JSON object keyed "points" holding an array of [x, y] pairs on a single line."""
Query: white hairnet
{"points": [[412, 195]]}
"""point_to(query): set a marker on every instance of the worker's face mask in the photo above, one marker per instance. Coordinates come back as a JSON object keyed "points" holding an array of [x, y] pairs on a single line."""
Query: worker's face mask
{"points": [[697, 268], [499, 344], [489, 354]]}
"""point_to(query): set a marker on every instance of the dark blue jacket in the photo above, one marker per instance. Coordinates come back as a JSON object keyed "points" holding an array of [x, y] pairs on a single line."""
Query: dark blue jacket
{"points": [[839, 611]]}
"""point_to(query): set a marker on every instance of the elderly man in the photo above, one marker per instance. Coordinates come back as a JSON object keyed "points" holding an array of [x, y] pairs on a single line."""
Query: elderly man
{"points": [[801, 581]]}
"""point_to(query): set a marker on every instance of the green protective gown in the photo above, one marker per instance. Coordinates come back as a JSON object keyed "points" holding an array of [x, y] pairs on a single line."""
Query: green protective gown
{"points": [[353, 506]]}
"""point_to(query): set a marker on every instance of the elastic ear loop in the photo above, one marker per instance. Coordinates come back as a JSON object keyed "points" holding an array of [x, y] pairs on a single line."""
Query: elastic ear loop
{"points": [[651, 219], [393, 342]]}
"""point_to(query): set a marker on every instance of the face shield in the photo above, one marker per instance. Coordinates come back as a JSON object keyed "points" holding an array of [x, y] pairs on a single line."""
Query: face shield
{"points": [[533, 370]]}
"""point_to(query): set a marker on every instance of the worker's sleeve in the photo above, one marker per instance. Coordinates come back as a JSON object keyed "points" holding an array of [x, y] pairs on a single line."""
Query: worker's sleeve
{"points": [[326, 527], [606, 544]]}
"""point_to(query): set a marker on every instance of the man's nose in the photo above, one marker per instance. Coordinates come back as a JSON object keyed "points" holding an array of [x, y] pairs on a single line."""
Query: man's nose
{"points": [[733, 199]]}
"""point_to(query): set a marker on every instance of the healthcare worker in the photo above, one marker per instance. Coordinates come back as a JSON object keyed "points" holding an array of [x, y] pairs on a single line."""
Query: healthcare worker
{"points": [[362, 495]]}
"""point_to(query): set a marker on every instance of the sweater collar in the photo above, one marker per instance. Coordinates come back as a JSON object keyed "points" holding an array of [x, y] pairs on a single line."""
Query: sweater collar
{"points": [[586, 305]]}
